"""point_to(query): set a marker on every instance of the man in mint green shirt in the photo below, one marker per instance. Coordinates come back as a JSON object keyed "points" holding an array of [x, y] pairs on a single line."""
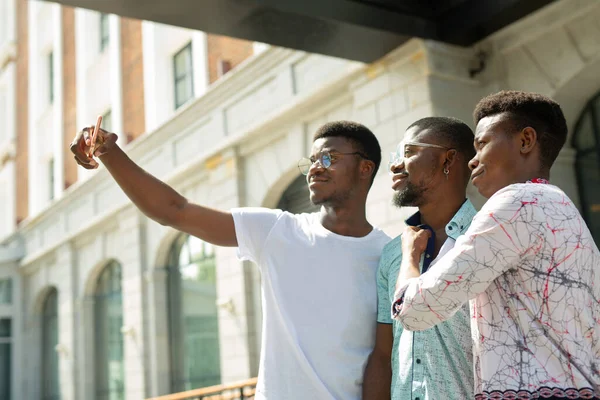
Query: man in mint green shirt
{"points": [[429, 171]]}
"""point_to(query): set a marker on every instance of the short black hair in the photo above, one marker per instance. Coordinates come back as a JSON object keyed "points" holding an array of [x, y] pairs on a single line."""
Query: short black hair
{"points": [[361, 137], [529, 110], [455, 133]]}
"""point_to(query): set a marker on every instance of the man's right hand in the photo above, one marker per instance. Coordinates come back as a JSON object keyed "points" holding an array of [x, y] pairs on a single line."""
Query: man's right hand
{"points": [[80, 146], [154, 198]]}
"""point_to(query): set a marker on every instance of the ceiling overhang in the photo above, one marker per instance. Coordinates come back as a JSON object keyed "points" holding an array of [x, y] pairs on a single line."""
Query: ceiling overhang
{"points": [[362, 30]]}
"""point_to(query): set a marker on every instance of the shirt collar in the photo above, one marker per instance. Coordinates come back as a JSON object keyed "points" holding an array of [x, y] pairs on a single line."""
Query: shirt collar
{"points": [[459, 223]]}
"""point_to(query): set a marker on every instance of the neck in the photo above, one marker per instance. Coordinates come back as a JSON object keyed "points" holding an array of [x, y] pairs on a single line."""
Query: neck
{"points": [[528, 175], [348, 220], [439, 212]]}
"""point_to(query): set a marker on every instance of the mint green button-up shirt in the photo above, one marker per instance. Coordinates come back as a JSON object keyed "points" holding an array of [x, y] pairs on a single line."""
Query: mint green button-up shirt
{"points": [[435, 363]]}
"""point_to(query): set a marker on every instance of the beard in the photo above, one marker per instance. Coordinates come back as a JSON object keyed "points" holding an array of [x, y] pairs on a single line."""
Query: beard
{"points": [[410, 196]]}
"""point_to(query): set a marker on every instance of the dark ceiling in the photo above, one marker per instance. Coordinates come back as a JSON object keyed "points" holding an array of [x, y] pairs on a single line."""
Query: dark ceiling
{"points": [[362, 30]]}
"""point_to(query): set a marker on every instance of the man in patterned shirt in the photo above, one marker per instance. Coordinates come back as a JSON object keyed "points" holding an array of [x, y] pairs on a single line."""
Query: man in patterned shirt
{"points": [[528, 262], [430, 171]]}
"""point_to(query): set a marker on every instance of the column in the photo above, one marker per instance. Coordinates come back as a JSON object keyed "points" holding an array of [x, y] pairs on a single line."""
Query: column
{"points": [[149, 52], [67, 324], [86, 366], [200, 63], [58, 128], [132, 250], [34, 74], [158, 332], [116, 78]]}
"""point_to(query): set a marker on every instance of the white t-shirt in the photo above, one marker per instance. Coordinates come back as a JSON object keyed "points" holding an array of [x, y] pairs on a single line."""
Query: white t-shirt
{"points": [[312, 348]]}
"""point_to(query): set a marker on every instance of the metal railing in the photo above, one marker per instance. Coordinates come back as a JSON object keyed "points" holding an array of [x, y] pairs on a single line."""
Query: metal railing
{"points": [[244, 390]]}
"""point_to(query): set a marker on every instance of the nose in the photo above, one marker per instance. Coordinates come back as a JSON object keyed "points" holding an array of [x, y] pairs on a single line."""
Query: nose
{"points": [[396, 167], [473, 163], [315, 168]]}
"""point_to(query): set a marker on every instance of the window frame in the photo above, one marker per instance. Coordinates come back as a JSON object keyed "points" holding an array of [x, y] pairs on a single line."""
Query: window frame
{"points": [[180, 380], [8, 281], [50, 383], [109, 288], [104, 31], [50, 65], [178, 78], [51, 179], [107, 116], [593, 111], [6, 340]]}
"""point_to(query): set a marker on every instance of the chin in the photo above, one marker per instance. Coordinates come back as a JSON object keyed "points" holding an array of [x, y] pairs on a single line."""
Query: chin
{"points": [[487, 191], [316, 200]]}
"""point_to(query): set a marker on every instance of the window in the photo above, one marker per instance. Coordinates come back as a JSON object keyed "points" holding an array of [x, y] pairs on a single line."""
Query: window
{"points": [[51, 179], [5, 358], [194, 323], [108, 316], [50, 377], [107, 121], [6, 291], [104, 31], [586, 140], [50, 63], [184, 82]]}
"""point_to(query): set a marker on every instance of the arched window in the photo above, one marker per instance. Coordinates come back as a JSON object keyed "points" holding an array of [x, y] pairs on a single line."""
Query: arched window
{"points": [[296, 198], [194, 323], [586, 141], [110, 376], [50, 380]]}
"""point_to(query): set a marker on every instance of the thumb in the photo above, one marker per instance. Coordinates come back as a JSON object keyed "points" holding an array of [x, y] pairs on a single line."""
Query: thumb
{"points": [[108, 142]]}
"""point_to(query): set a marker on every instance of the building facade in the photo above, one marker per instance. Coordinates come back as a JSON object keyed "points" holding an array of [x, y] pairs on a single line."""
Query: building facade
{"points": [[97, 301]]}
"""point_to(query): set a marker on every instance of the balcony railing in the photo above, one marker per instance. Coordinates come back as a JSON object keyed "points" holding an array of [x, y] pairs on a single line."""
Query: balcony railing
{"points": [[236, 391]]}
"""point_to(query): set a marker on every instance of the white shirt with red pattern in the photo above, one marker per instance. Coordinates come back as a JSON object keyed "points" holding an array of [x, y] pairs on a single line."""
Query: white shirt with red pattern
{"points": [[531, 269]]}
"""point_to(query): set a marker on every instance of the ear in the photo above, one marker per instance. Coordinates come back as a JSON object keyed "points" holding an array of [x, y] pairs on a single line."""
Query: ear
{"points": [[451, 158], [528, 140], [367, 167]]}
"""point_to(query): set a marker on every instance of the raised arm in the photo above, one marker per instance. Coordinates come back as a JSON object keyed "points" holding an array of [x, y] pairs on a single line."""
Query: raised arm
{"points": [[154, 198], [496, 242]]}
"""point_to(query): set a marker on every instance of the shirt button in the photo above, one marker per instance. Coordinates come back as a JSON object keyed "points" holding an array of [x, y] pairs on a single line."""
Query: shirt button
{"points": [[427, 256], [418, 361], [450, 228], [417, 398]]}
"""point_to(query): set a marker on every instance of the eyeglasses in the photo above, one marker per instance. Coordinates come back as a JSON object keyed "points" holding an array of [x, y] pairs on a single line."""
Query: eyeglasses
{"points": [[397, 157], [325, 159]]}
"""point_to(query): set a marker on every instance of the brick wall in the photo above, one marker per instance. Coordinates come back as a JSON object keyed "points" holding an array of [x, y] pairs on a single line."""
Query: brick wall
{"points": [[22, 107], [228, 49], [69, 93], [133, 78]]}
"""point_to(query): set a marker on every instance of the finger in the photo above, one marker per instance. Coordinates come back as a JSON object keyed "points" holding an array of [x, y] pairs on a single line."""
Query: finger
{"points": [[87, 135], [86, 166], [86, 162], [79, 148], [83, 161]]}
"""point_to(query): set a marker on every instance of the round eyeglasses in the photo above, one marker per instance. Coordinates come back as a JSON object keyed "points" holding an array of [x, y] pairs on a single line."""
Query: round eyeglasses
{"points": [[397, 157], [325, 159]]}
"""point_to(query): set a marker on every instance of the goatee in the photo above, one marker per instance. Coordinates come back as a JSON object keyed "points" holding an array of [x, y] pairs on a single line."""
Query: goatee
{"points": [[410, 196]]}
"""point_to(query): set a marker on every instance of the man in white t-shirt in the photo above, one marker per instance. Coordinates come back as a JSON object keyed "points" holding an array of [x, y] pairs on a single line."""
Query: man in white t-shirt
{"points": [[311, 347]]}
